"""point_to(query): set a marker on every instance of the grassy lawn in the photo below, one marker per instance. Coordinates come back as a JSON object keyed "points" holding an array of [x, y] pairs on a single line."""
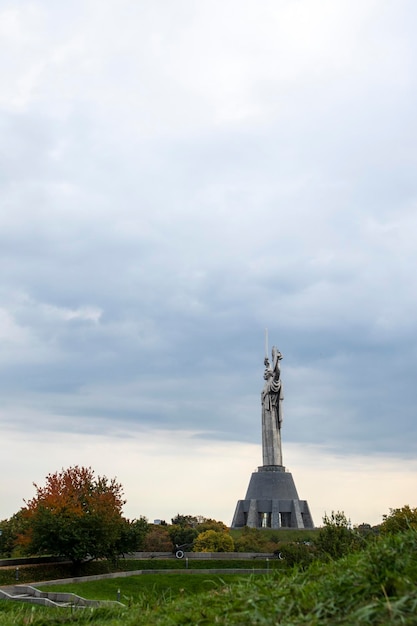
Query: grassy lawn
{"points": [[56, 571], [144, 593], [146, 589]]}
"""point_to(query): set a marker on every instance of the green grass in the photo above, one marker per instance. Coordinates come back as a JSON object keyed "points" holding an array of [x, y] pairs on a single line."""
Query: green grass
{"points": [[377, 586], [147, 589], [143, 593], [56, 571], [12, 614]]}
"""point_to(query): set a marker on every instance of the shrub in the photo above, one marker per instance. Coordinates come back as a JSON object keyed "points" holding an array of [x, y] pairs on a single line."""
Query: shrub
{"points": [[214, 541], [399, 520], [336, 538]]}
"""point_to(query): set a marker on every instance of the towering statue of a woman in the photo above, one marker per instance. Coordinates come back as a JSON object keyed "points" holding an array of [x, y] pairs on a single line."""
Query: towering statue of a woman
{"points": [[272, 396]]}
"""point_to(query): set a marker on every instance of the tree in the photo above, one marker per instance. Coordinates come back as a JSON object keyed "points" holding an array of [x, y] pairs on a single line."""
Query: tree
{"points": [[186, 521], [132, 536], [182, 535], [186, 528], [399, 520], [158, 539], [79, 515], [336, 538], [213, 541], [212, 524], [12, 541], [253, 540], [184, 531]]}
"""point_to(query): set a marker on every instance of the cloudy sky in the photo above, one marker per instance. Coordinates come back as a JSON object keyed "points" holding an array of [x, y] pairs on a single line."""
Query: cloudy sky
{"points": [[176, 177]]}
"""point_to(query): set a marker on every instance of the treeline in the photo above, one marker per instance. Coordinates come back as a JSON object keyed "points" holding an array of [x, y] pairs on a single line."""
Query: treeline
{"points": [[78, 515]]}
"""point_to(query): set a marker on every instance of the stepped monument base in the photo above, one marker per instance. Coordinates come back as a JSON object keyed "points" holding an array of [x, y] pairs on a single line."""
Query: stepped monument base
{"points": [[272, 502]]}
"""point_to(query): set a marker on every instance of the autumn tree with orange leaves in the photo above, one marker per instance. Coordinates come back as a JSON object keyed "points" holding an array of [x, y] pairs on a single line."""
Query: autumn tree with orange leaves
{"points": [[78, 515]]}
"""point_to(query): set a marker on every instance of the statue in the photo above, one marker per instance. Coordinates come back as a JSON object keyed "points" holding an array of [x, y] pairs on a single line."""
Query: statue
{"points": [[272, 397]]}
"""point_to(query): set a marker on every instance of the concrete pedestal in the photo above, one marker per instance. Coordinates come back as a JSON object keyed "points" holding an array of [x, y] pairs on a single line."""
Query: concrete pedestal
{"points": [[272, 502]]}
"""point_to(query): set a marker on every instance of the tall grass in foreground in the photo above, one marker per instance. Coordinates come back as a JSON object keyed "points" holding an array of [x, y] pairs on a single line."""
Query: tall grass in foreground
{"points": [[376, 586]]}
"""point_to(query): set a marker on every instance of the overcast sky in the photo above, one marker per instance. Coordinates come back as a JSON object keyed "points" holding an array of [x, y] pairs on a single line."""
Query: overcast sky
{"points": [[176, 176]]}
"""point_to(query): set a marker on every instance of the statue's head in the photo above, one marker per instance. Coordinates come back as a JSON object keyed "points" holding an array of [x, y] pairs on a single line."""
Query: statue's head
{"points": [[267, 373]]}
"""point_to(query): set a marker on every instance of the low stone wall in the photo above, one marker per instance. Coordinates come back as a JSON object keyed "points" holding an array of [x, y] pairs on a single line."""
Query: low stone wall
{"points": [[144, 555], [200, 555], [34, 560]]}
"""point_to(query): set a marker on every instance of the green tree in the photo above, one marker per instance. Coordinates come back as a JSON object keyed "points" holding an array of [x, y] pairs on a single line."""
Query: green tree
{"points": [[132, 536], [399, 520], [253, 540], [336, 538], [212, 524], [186, 528], [213, 541], [182, 535], [296, 553], [13, 531], [186, 521], [79, 516]]}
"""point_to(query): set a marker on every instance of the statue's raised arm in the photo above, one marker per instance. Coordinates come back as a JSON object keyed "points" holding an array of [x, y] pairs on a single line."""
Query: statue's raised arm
{"points": [[276, 358]]}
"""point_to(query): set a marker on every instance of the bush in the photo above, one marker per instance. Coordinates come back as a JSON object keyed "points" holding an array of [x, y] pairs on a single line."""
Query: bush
{"points": [[214, 541], [337, 538], [254, 540], [182, 535], [158, 540], [399, 520], [300, 554]]}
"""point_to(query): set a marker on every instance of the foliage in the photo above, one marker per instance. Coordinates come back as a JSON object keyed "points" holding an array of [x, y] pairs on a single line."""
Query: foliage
{"points": [[399, 520], [78, 515], [182, 535], [268, 540], [300, 554], [337, 538], [186, 528], [214, 541], [212, 524], [254, 540], [158, 539], [132, 536], [13, 530], [187, 521]]}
